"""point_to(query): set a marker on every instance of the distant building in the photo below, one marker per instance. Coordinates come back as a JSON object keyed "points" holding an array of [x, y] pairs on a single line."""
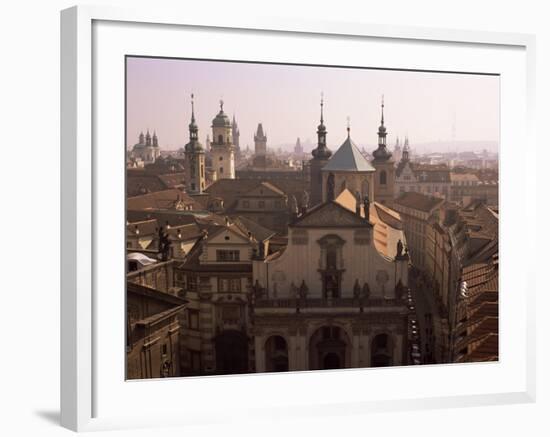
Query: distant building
{"points": [[146, 149], [260, 141], [432, 180], [397, 151], [298, 149], [222, 149], [236, 136]]}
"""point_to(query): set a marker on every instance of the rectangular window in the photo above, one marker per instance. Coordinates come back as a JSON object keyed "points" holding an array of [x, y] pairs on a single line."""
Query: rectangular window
{"points": [[191, 283], [228, 255], [246, 204], [229, 285], [195, 358], [261, 204], [193, 319]]}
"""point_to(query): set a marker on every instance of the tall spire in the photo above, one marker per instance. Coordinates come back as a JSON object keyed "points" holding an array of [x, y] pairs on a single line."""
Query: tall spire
{"points": [[321, 152], [382, 153], [382, 106], [193, 128], [192, 108], [322, 104]]}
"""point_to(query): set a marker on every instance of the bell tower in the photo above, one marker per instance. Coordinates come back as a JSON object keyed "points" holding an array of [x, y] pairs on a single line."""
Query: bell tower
{"points": [[222, 148], [194, 157], [384, 180], [321, 156]]}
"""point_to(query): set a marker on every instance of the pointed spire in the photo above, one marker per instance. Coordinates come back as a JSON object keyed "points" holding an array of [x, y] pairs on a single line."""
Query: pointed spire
{"points": [[322, 104], [193, 128], [382, 153], [382, 106], [321, 152], [349, 126]]}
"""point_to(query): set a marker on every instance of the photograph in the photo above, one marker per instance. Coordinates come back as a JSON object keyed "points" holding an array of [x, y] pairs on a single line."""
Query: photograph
{"points": [[295, 217]]}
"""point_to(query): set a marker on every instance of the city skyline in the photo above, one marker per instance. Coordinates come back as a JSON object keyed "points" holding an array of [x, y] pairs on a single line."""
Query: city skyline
{"points": [[447, 107]]}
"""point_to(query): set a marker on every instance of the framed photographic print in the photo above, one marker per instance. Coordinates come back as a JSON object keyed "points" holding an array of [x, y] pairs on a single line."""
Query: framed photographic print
{"points": [[280, 219]]}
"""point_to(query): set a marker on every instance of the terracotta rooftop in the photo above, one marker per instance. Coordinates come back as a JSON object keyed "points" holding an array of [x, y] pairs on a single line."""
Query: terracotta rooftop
{"points": [[418, 201]]}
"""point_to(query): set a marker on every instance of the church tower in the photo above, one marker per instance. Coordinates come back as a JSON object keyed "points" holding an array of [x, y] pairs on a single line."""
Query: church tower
{"points": [[384, 181], [406, 150], [260, 141], [221, 146], [194, 157], [236, 136], [298, 149], [321, 155]]}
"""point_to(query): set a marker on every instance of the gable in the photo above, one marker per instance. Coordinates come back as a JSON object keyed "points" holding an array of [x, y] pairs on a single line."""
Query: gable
{"points": [[330, 214], [227, 236], [264, 190]]}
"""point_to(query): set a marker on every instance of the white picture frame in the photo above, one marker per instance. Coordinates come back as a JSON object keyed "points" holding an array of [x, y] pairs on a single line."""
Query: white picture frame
{"points": [[83, 319]]}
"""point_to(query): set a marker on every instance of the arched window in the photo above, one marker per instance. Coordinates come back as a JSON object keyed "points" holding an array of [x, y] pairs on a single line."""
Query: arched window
{"points": [[381, 353], [332, 256], [276, 354], [383, 177], [220, 139]]}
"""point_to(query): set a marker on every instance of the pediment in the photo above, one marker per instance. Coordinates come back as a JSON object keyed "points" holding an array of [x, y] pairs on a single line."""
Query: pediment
{"points": [[228, 236], [331, 215]]}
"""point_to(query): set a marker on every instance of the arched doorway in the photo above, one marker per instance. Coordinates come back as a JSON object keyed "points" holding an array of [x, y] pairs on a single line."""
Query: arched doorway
{"points": [[276, 354], [231, 352], [381, 351], [329, 348], [331, 361]]}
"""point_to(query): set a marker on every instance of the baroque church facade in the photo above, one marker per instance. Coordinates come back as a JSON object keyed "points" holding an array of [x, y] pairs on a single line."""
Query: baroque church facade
{"points": [[333, 296]]}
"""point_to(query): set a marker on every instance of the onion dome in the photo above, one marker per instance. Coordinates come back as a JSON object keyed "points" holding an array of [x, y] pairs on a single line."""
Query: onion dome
{"points": [[193, 145], [322, 151], [382, 153], [221, 120]]}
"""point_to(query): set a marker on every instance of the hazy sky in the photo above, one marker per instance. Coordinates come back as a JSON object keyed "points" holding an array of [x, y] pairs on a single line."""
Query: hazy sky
{"points": [[285, 99]]}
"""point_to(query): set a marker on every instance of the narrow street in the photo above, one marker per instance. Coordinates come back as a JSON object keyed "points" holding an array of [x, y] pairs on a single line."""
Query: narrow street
{"points": [[425, 310]]}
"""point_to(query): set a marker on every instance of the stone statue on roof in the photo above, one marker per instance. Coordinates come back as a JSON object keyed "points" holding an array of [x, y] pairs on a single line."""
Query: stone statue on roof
{"points": [[293, 205], [399, 249], [366, 205], [305, 200]]}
